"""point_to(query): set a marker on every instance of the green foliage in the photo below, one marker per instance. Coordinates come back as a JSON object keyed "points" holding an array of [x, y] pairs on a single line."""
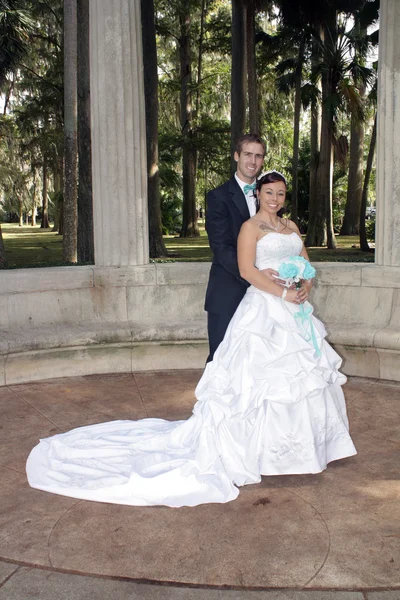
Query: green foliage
{"points": [[278, 39], [16, 26], [370, 229], [170, 184], [32, 126], [171, 214], [339, 196], [31, 81], [303, 195]]}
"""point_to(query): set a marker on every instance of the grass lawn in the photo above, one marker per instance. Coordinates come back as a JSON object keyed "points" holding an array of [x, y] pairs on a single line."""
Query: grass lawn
{"points": [[197, 249], [31, 246], [34, 247]]}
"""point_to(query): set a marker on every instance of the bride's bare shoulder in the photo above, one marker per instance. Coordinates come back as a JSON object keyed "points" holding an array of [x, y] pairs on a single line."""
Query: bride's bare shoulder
{"points": [[250, 226], [249, 230]]}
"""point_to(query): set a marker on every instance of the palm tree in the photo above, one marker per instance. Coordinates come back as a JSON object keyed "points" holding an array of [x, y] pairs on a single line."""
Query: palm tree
{"points": [[361, 42], [338, 95], [15, 26], [250, 43], [315, 139], [321, 15], [189, 213], [244, 68], [364, 197], [344, 96], [294, 41], [372, 100], [238, 75], [156, 242], [70, 132]]}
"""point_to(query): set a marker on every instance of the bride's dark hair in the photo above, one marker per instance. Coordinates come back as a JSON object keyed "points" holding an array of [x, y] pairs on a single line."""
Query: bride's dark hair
{"points": [[270, 177]]}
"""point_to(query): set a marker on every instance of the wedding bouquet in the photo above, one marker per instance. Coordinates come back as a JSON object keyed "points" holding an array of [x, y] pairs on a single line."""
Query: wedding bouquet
{"points": [[295, 270]]}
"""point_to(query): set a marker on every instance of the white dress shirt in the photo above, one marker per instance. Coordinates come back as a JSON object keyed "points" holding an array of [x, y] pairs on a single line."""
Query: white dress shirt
{"points": [[250, 196]]}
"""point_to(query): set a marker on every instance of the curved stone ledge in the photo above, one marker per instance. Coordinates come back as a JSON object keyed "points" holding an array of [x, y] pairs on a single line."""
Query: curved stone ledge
{"points": [[129, 357], [84, 320]]}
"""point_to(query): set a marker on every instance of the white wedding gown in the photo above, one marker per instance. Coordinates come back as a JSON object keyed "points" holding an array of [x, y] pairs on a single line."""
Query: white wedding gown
{"points": [[267, 405]]}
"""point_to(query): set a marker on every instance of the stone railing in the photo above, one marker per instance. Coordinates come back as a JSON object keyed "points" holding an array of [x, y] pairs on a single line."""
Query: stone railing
{"points": [[80, 320]]}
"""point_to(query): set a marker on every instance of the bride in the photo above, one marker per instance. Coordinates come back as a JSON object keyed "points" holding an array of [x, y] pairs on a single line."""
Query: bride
{"points": [[270, 402]]}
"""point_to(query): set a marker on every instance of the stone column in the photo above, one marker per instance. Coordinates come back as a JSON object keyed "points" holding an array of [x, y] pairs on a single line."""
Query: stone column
{"points": [[388, 141], [118, 134]]}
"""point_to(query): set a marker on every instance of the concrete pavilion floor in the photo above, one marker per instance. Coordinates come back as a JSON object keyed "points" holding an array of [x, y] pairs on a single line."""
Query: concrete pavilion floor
{"points": [[333, 536]]}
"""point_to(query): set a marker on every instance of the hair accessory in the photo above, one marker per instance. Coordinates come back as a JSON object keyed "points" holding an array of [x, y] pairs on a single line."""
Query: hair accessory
{"points": [[270, 173]]}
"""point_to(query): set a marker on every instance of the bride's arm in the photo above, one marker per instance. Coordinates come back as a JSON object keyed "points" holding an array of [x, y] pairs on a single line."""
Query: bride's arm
{"points": [[306, 285], [247, 242]]}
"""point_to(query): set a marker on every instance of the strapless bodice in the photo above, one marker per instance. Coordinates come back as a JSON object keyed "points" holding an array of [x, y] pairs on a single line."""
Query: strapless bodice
{"points": [[274, 248]]}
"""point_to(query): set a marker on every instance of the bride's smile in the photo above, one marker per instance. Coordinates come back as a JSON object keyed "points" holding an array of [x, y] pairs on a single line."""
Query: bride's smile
{"points": [[272, 198]]}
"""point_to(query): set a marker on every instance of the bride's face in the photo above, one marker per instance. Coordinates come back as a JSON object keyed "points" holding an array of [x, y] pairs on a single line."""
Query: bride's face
{"points": [[272, 197]]}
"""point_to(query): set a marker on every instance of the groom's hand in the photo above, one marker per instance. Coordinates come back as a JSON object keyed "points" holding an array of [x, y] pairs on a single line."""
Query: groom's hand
{"points": [[274, 276]]}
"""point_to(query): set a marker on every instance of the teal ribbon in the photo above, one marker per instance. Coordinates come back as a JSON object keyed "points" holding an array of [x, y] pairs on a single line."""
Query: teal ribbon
{"points": [[304, 316], [248, 188]]}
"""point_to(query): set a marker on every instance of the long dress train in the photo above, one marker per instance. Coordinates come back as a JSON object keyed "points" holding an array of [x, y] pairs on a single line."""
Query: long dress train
{"points": [[268, 404]]}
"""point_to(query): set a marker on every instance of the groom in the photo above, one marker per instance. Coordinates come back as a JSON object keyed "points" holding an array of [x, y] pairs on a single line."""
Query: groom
{"points": [[228, 206]]}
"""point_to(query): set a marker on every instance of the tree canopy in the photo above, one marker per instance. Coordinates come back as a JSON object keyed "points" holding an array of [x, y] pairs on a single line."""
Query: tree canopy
{"points": [[301, 74]]}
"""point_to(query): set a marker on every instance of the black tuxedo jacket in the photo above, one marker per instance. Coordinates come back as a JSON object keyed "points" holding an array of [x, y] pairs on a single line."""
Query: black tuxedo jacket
{"points": [[226, 212]]}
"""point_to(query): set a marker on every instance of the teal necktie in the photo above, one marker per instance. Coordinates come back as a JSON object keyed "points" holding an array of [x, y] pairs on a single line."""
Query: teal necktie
{"points": [[247, 188]]}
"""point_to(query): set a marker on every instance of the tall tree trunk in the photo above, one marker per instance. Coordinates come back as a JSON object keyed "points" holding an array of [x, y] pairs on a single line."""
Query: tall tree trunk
{"points": [[254, 126], [85, 199], [199, 61], [21, 213], [189, 215], [61, 219], [8, 93], [325, 174], [323, 231], [3, 261], [327, 170], [70, 133], [296, 132], [45, 199], [196, 116], [351, 221], [156, 241], [57, 186], [315, 137], [59, 182], [33, 213], [363, 235], [314, 162], [238, 78]]}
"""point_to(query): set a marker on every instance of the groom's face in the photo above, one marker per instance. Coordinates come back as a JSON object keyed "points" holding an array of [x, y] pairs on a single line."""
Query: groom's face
{"points": [[249, 161]]}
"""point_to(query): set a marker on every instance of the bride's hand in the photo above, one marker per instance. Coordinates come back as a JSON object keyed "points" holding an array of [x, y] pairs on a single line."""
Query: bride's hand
{"points": [[273, 275], [292, 296], [303, 292]]}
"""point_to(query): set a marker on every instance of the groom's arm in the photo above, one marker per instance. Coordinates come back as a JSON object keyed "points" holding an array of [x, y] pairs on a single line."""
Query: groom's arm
{"points": [[220, 238]]}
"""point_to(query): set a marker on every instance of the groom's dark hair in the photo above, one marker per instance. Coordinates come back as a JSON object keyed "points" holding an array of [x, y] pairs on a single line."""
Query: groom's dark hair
{"points": [[249, 138]]}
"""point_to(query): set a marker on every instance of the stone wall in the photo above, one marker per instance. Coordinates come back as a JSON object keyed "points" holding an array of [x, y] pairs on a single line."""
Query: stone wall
{"points": [[79, 320]]}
